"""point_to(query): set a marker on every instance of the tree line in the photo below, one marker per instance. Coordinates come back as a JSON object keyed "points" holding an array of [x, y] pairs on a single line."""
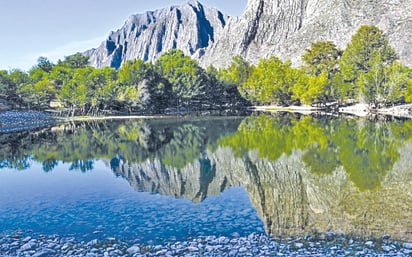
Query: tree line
{"points": [[367, 71], [72, 87]]}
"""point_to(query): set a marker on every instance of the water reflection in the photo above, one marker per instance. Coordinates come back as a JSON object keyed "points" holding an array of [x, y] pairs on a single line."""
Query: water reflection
{"points": [[303, 174], [367, 150]]}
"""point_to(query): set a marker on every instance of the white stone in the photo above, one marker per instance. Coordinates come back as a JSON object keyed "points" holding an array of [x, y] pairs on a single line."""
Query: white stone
{"points": [[134, 249]]}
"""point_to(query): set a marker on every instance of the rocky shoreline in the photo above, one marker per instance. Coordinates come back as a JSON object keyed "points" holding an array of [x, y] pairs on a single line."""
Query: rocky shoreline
{"points": [[328, 244], [14, 121]]}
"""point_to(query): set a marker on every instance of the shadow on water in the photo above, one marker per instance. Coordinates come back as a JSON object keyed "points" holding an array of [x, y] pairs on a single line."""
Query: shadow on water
{"points": [[303, 174]]}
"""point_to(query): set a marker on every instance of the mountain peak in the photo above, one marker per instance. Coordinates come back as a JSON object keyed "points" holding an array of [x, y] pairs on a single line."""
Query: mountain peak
{"points": [[194, 3], [190, 27], [281, 28]]}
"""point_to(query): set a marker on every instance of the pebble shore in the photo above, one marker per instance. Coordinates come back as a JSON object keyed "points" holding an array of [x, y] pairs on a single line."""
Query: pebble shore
{"points": [[14, 121], [329, 244]]}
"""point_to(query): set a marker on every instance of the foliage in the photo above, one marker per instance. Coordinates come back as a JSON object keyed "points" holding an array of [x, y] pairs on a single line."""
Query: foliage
{"points": [[270, 82], [189, 81], [364, 61], [44, 64], [237, 73], [398, 79], [322, 57], [311, 89], [141, 87], [76, 61], [321, 62], [408, 91]]}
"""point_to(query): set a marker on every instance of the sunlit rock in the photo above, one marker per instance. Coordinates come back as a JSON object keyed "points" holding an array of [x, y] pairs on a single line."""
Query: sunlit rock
{"points": [[267, 27]]}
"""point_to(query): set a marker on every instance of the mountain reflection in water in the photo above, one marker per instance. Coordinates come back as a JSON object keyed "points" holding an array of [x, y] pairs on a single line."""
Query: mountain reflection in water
{"points": [[302, 174]]}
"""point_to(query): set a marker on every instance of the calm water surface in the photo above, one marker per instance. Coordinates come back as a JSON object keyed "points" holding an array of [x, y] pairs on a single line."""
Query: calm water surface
{"points": [[169, 179]]}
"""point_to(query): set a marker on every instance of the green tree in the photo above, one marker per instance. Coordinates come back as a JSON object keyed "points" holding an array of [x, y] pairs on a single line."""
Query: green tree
{"points": [[312, 89], [408, 90], [42, 92], [364, 60], [188, 79], [322, 56], [101, 89], [237, 73], [76, 61], [44, 64], [321, 59], [74, 91], [39, 91], [271, 82], [132, 75], [397, 77], [142, 88], [6, 85], [19, 80]]}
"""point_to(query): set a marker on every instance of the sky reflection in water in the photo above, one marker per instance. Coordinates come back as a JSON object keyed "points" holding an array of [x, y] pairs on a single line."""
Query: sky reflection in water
{"points": [[97, 204]]}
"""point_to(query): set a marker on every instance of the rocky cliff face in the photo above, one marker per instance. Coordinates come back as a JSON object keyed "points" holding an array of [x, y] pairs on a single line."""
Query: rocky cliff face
{"points": [[287, 28], [191, 28], [268, 27]]}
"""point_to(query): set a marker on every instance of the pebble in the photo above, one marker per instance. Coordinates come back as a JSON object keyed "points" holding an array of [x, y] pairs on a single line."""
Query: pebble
{"points": [[192, 249], [386, 248], [134, 249], [29, 244], [44, 253], [407, 245], [370, 244], [242, 250], [298, 245], [12, 121]]}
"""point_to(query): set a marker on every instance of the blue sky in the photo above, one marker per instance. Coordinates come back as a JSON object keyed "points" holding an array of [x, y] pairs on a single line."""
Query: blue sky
{"points": [[56, 28]]}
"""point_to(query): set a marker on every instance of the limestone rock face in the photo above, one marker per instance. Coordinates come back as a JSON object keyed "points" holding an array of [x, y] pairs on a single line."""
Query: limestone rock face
{"points": [[191, 28], [284, 28]]}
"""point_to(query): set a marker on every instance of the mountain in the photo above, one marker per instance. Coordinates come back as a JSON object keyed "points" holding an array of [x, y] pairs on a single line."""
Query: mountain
{"points": [[191, 28], [268, 27], [287, 28]]}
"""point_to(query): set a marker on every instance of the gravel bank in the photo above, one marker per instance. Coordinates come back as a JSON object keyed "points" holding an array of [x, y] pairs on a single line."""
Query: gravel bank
{"points": [[12, 121], [329, 244]]}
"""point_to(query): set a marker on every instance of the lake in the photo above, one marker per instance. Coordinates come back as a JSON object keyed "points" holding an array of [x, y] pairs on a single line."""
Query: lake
{"points": [[168, 179]]}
